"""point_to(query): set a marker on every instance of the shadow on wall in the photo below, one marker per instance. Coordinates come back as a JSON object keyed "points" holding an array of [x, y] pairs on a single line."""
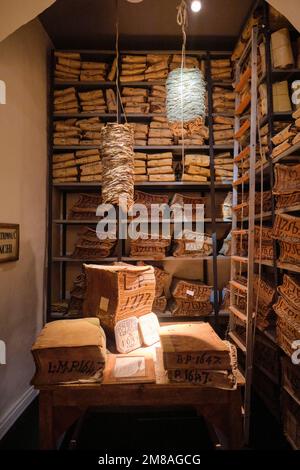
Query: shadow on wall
{"points": [[18, 327]]}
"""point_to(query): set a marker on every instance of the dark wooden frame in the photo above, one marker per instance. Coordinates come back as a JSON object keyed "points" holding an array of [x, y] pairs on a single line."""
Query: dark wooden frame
{"points": [[17, 228]]}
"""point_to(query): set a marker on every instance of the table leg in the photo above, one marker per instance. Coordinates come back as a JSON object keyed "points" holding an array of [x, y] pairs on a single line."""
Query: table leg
{"points": [[235, 421], [46, 424]]}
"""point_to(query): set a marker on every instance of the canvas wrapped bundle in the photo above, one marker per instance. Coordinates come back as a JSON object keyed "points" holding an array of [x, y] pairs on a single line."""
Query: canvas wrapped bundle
{"points": [[118, 292], [185, 102], [85, 207], [281, 49], [286, 227], [193, 353], [191, 298], [287, 179], [287, 200], [70, 351], [180, 200], [290, 290], [77, 295], [263, 243], [147, 199], [153, 245], [89, 246], [264, 293], [118, 165], [193, 244]]}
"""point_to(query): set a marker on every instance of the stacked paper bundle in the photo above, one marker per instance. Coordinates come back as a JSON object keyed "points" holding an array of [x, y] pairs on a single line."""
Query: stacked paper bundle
{"points": [[191, 298], [287, 137], [287, 185], [198, 137], [133, 68], [90, 247], [140, 167], [66, 132], [77, 132], [221, 69], [77, 294], [222, 125], [90, 131], [223, 167], [190, 62], [93, 71], [150, 245], [159, 132], [223, 100], [85, 207], [68, 166], [135, 100], [67, 66], [193, 353], [141, 131], [193, 244], [157, 67], [66, 101], [64, 169], [245, 36], [92, 101], [70, 67], [160, 166], [111, 100], [286, 230], [287, 309], [90, 166], [162, 281], [196, 168], [264, 292], [281, 48], [157, 99]]}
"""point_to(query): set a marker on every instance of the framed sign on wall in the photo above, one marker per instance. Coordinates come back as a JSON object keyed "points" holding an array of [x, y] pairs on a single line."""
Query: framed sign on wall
{"points": [[9, 242]]}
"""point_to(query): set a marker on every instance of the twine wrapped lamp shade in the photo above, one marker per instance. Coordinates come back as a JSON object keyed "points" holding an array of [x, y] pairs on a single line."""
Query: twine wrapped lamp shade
{"points": [[185, 99], [118, 165]]}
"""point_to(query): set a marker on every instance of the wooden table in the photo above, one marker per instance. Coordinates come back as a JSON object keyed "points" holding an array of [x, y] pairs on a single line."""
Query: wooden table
{"points": [[61, 405]]}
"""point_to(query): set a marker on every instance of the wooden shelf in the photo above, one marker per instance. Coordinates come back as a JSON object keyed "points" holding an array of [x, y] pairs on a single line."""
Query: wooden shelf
{"points": [[287, 153], [83, 84], [147, 184], [288, 267], [94, 222], [69, 259], [288, 209], [84, 115], [173, 258]]}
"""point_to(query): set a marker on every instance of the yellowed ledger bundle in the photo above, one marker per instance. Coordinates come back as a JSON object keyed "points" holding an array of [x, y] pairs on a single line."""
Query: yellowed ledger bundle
{"points": [[281, 49]]}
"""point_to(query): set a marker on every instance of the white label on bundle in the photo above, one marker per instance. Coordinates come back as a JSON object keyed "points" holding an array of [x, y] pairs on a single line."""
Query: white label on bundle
{"points": [[129, 366], [190, 292], [127, 335], [193, 246], [104, 304], [149, 327]]}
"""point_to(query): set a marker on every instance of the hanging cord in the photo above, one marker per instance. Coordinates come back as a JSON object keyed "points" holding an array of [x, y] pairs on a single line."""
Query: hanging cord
{"points": [[182, 21], [117, 64]]}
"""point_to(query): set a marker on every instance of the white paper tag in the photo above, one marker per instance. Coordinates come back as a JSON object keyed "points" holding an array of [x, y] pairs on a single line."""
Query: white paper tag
{"points": [[190, 292], [127, 335], [129, 366]]}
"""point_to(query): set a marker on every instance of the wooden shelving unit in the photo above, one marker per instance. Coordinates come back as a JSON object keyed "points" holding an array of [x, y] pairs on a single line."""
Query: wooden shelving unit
{"points": [[59, 193], [272, 269]]}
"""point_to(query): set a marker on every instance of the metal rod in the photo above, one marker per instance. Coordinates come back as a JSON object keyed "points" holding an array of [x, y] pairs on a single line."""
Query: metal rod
{"points": [[212, 186], [251, 228]]}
